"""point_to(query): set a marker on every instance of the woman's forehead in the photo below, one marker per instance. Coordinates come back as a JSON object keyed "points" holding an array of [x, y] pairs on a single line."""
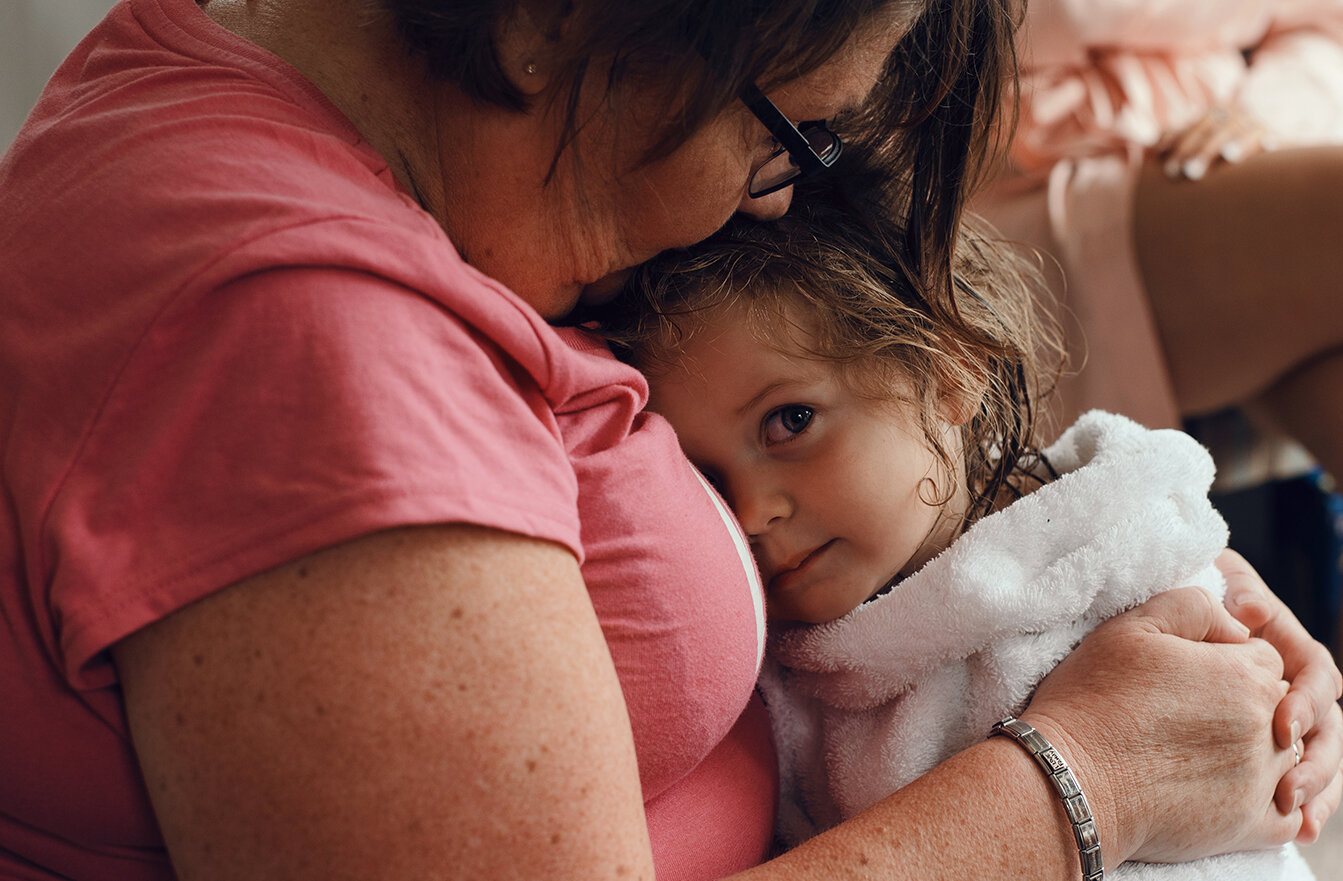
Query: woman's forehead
{"points": [[845, 80]]}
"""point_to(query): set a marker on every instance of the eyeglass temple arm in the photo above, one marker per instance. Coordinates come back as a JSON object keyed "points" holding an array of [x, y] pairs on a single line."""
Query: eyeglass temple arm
{"points": [[783, 130]]}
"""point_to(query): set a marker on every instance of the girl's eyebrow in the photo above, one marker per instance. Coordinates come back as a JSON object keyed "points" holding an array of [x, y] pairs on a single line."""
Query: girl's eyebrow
{"points": [[758, 396], [765, 392]]}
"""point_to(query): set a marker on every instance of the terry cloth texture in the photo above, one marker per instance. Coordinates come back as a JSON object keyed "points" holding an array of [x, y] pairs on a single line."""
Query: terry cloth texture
{"points": [[864, 704]]}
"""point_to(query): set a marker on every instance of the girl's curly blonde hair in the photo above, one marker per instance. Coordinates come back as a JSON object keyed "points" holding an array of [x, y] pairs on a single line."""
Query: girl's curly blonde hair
{"points": [[837, 261]]}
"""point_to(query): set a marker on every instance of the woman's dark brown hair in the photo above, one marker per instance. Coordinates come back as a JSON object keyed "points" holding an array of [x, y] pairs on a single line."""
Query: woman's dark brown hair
{"points": [[933, 114]]}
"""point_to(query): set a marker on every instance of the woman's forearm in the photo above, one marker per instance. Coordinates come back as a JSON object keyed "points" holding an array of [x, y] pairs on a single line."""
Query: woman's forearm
{"points": [[1143, 714], [987, 812]]}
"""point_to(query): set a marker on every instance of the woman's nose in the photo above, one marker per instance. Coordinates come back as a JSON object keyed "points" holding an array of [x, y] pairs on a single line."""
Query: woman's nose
{"points": [[770, 207]]}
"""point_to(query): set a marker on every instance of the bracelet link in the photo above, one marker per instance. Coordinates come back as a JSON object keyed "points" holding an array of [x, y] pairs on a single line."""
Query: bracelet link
{"points": [[1078, 810], [1069, 791], [1093, 868]]}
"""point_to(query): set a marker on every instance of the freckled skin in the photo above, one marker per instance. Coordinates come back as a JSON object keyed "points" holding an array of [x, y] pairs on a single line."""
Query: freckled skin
{"points": [[346, 690], [387, 786]]}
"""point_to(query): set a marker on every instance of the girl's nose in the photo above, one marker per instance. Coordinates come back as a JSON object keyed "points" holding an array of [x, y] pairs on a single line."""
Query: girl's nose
{"points": [[759, 509], [770, 207]]}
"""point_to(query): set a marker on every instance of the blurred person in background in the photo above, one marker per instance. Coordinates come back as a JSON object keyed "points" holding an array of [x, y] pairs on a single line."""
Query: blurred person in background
{"points": [[1179, 166]]}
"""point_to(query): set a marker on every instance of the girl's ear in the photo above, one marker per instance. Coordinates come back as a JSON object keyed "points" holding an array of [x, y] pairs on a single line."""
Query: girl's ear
{"points": [[957, 406], [524, 40]]}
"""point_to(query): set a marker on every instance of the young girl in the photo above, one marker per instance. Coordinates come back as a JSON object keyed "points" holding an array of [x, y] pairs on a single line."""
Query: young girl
{"points": [[925, 565]]}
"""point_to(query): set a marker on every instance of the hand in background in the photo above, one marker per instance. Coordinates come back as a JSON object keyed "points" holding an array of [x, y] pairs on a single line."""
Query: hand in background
{"points": [[1223, 134]]}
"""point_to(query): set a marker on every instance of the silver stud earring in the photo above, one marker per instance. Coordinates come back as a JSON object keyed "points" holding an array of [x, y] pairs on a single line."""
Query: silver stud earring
{"points": [[530, 68]]}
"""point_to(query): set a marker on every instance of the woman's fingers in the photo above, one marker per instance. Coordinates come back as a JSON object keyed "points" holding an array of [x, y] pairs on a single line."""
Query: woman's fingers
{"points": [[1308, 714], [1191, 613], [1282, 821], [1321, 754], [1322, 808], [1316, 683], [1308, 700], [1167, 708]]}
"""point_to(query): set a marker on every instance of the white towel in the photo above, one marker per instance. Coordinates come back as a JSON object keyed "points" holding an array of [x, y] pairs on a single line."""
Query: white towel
{"points": [[864, 704]]}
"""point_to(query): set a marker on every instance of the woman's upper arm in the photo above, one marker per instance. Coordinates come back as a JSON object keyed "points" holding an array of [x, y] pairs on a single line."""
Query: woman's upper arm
{"points": [[416, 702]]}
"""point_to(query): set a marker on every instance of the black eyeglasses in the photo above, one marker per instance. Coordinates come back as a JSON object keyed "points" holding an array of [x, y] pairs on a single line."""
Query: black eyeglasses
{"points": [[805, 149]]}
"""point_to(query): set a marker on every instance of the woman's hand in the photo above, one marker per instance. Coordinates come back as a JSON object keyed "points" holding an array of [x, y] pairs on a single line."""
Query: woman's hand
{"points": [[1166, 713], [1309, 713], [1223, 134]]}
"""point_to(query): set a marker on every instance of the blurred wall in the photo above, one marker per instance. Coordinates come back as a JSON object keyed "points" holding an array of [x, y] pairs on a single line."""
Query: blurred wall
{"points": [[35, 35]]}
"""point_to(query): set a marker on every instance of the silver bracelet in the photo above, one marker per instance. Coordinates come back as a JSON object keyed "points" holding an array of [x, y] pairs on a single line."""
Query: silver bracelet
{"points": [[1065, 784]]}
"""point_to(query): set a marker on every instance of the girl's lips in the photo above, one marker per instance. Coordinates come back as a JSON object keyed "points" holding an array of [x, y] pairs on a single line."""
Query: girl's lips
{"points": [[785, 577]]}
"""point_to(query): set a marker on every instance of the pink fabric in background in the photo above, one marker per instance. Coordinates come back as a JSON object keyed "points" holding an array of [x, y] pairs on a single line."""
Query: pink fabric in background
{"points": [[1101, 81]]}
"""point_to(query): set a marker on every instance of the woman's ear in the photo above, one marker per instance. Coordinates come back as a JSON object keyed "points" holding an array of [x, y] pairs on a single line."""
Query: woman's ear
{"points": [[524, 41]]}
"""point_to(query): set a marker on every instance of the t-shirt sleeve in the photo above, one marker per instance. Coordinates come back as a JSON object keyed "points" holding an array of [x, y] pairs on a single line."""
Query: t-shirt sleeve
{"points": [[281, 413]]}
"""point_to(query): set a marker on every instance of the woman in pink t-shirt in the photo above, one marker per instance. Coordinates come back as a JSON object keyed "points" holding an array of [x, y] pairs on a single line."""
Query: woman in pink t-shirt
{"points": [[326, 555]]}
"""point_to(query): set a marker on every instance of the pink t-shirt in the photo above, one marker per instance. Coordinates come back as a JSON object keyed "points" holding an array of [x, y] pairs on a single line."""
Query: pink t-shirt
{"points": [[227, 339]]}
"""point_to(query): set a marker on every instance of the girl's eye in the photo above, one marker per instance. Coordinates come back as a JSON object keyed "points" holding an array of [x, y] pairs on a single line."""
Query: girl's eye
{"points": [[788, 421]]}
